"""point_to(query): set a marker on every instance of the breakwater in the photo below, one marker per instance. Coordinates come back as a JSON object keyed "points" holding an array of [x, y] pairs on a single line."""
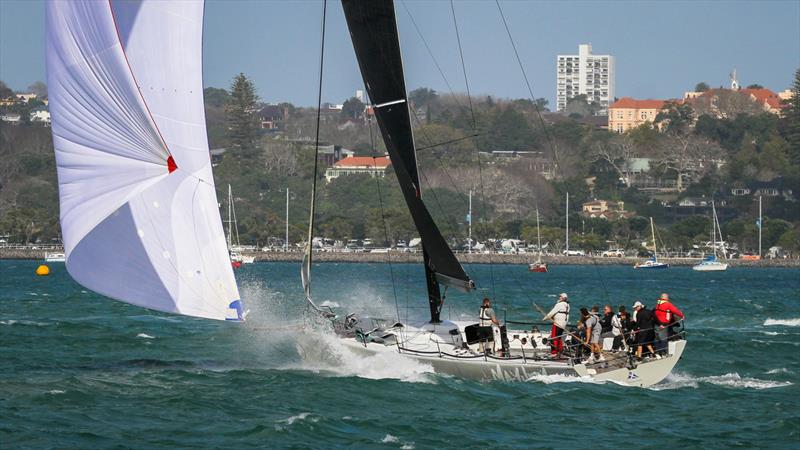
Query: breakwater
{"points": [[467, 258]]}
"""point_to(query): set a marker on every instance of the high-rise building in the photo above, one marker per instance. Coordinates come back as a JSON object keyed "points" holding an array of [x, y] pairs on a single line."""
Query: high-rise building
{"points": [[585, 73]]}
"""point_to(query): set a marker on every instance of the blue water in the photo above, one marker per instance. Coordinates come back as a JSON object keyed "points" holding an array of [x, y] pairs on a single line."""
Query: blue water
{"points": [[80, 371]]}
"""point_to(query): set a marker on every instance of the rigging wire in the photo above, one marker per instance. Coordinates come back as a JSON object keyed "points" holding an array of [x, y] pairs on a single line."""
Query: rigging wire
{"points": [[548, 136], [383, 217], [316, 145], [477, 148]]}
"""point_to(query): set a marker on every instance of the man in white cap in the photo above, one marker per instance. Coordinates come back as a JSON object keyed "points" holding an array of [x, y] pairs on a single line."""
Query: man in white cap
{"points": [[644, 333], [559, 315]]}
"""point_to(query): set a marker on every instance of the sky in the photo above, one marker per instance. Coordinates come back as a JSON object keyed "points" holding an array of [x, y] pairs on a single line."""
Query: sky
{"points": [[662, 48]]}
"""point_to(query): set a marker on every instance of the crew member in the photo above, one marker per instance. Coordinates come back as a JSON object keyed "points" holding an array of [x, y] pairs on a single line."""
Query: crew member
{"points": [[666, 313], [592, 339], [559, 315], [643, 329], [489, 319]]}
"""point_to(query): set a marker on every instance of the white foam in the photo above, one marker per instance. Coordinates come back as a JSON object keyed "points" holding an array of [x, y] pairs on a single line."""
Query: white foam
{"points": [[560, 378], [390, 439], [144, 336], [56, 392], [329, 304], [325, 352], [287, 422], [781, 370], [407, 446], [678, 380], [782, 322]]}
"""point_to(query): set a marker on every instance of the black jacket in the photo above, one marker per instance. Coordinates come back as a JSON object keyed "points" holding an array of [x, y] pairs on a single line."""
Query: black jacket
{"points": [[605, 323], [644, 319]]}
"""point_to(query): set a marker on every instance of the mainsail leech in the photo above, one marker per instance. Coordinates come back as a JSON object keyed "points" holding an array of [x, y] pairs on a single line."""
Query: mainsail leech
{"points": [[125, 88], [373, 30]]}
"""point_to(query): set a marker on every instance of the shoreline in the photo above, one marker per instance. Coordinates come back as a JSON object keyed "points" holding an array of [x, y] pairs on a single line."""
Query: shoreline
{"points": [[465, 258]]}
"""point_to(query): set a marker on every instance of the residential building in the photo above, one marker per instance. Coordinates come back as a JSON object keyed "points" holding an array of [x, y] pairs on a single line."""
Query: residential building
{"points": [[40, 115], [605, 209], [374, 167], [587, 74], [728, 103], [272, 117], [11, 118], [331, 154], [25, 98], [628, 113]]}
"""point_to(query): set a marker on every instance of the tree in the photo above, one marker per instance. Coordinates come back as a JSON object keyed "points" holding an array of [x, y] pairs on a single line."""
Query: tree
{"points": [[755, 86], [352, 108], [676, 117], [38, 88], [242, 119], [5, 91], [790, 123], [580, 105], [422, 97], [687, 154], [215, 97], [617, 152], [701, 87]]}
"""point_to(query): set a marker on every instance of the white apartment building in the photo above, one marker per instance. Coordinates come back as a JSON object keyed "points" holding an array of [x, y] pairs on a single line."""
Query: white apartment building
{"points": [[585, 73]]}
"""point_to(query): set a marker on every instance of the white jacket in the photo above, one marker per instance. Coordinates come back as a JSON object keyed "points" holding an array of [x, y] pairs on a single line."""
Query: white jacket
{"points": [[559, 314]]}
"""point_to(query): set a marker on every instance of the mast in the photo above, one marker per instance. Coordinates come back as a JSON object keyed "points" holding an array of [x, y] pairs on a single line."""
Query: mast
{"points": [[538, 235], [714, 228], [373, 30], [566, 210], [469, 219], [230, 217], [655, 246], [286, 239], [760, 225]]}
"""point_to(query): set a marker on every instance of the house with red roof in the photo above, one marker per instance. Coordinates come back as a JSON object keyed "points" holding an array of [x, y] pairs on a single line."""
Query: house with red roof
{"points": [[628, 113], [372, 166]]}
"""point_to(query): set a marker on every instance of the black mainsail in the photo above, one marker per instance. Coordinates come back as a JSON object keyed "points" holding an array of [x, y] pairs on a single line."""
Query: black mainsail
{"points": [[373, 29]]}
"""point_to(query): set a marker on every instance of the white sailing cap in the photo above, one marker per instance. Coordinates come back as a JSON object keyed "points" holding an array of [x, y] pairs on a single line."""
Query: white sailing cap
{"points": [[563, 295], [638, 305]]}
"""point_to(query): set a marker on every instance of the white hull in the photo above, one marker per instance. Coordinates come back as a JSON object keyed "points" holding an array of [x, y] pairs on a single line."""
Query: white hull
{"points": [[55, 257], [711, 267], [430, 346]]}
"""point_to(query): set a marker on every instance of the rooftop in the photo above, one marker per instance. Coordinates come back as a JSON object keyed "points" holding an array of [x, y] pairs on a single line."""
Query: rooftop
{"points": [[380, 162], [632, 103]]}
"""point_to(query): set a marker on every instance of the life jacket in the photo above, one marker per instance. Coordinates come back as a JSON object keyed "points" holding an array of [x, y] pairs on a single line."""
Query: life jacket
{"points": [[486, 319], [663, 314]]}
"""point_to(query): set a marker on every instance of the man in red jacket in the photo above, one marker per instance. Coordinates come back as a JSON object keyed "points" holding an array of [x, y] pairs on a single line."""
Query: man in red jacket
{"points": [[666, 314]]}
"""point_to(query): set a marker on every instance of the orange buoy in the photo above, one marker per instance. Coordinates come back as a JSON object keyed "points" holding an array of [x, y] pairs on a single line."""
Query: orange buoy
{"points": [[42, 270]]}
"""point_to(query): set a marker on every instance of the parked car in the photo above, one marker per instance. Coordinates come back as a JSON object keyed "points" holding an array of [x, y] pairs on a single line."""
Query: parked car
{"points": [[613, 254], [574, 253]]}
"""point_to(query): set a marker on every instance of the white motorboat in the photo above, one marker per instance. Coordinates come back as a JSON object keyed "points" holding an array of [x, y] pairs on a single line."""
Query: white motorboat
{"points": [[55, 257]]}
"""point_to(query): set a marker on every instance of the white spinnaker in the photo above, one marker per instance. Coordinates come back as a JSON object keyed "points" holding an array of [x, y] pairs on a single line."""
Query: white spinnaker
{"points": [[125, 92]]}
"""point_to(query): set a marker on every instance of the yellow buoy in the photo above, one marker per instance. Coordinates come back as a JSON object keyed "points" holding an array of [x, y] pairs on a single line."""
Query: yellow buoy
{"points": [[42, 270]]}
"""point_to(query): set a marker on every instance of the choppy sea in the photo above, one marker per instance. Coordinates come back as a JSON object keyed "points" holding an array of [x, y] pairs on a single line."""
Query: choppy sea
{"points": [[78, 370]]}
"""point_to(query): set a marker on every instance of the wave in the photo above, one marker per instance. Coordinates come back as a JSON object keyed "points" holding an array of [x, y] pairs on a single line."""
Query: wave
{"points": [[782, 322], [323, 352], [678, 380], [23, 322], [287, 422], [145, 336], [780, 370], [390, 439]]}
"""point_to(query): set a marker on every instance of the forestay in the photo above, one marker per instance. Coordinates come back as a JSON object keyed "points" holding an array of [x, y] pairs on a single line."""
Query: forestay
{"points": [[139, 212]]}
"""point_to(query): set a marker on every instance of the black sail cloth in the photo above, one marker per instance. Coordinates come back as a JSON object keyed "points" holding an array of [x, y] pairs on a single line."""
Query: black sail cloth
{"points": [[373, 29]]}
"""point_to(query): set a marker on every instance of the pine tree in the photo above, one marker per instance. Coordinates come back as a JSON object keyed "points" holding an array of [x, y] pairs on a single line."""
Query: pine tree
{"points": [[791, 119], [242, 117]]}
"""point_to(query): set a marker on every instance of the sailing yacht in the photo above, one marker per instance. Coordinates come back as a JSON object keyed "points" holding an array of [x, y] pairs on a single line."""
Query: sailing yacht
{"points": [[653, 262], [448, 346], [711, 263], [538, 266], [237, 258], [134, 171]]}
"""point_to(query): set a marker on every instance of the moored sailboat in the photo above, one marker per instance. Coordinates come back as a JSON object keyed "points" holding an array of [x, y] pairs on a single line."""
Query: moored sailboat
{"points": [[139, 212], [448, 346], [710, 263], [652, 263], [538, 265]]}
